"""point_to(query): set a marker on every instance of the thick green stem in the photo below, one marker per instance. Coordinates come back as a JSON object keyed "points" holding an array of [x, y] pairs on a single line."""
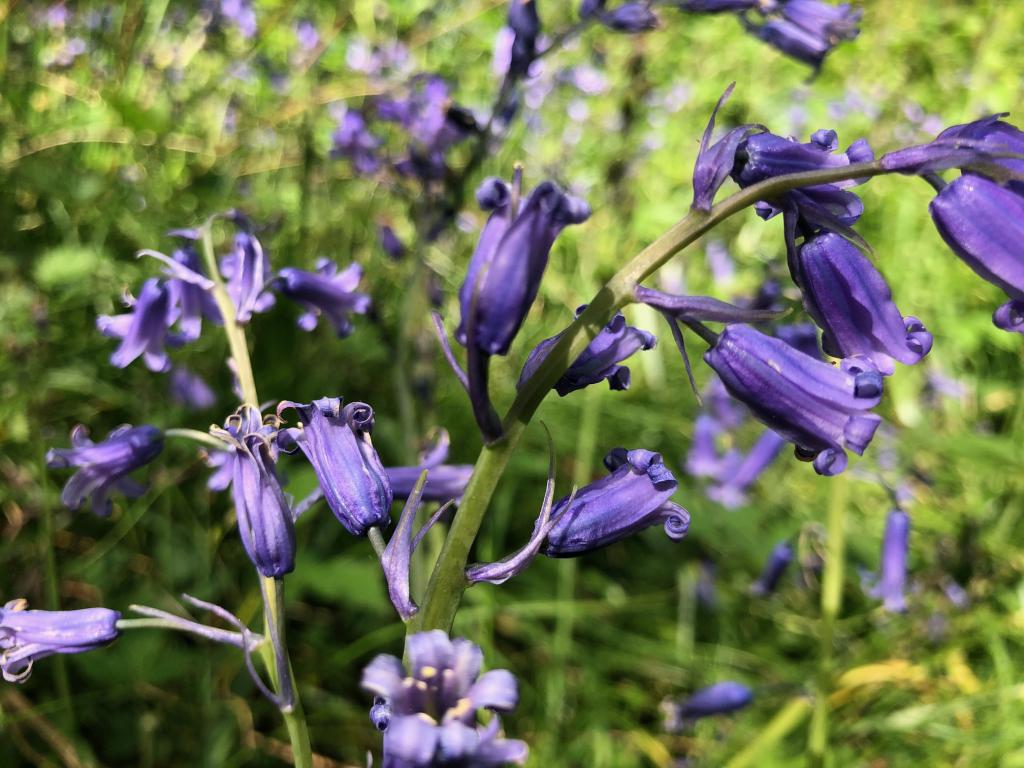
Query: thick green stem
{"points": [[831, 602], [195, 435], [275, 654], [448, 582]]}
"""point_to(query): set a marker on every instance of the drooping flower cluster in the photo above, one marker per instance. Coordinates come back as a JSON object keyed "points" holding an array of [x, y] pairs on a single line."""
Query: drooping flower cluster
{"points": [[429, 714], [169, 310]]}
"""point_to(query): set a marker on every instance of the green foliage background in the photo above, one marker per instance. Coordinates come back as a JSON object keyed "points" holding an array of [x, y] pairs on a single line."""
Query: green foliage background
{"points": [[100, 158]]}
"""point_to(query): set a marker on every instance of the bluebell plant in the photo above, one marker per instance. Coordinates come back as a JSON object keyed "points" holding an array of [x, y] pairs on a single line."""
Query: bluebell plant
{"points": [[429, 709]]}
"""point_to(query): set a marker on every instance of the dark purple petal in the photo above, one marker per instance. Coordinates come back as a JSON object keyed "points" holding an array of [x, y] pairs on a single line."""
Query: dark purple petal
{"points": [[819, 408], [633, 497], [630, 17], [852, 303], [336, 441], [1010, 316], [505, 271], [984, 225], [264, 518], [774, 569], [702, 308], [352, 140], [445, 481], [599, 361]]}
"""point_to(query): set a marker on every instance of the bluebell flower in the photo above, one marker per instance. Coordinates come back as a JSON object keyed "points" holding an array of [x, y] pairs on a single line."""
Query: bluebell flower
{"points": [[599, 361], [429, 714], [27, 635], [774, 569], [241, 14], [808, 30], [704, 459], [190, 390], [390, 242], [525, 22], [724, 6], [144, 330], [821, 409], [630, 17], [247, 271], [306, 35], [189, 289], [432, 122], [353, 141], [244, 421], [105, 466], [589, 8], [634, 496], [336, 441], [718, 699], [734, 479], [983, 223], [326, 292], [852, 303], [265, 521], [509, 261], [892, 581], [444, 481]]}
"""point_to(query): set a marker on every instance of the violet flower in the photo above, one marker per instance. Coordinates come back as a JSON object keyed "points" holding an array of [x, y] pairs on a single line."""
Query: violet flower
{"points": [[599, 361], [246, 420], [247, 270], [105, 466], [715, 161], [353, 140], [265, 522], [774, 569], [808, 30], [852, 303], [723, 6], [142, 331], [731, 485], [892, 581], [336, 441], [444, 481], [27, 635], [429, 715], [630, 17], [188, 288], [306, 35], [718, 699], [704, 459], [390, 242], [509, 261], [525, 22], [634, 496], [326, 292], [983, 223], [242, 15], [188, 389], [819, 408]]}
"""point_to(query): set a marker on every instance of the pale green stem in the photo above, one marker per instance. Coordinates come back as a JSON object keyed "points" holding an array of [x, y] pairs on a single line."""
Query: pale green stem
{"points": [[235, 333], [779, 727], [275, 655], [448, 581], [831, 602], [194, 434]]}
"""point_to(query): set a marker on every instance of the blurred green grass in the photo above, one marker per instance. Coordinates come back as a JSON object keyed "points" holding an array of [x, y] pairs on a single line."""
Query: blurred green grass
{"points": [[100, 158]]}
